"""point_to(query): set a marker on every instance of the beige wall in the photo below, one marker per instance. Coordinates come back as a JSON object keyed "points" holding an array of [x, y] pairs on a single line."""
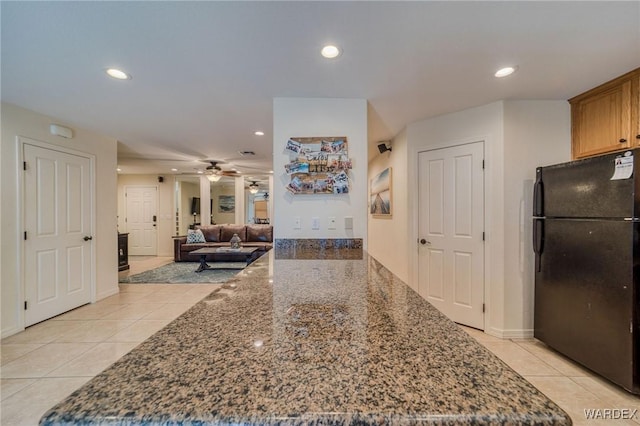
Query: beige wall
{"points": [[166, 209], [18, 121], [388, 236]]}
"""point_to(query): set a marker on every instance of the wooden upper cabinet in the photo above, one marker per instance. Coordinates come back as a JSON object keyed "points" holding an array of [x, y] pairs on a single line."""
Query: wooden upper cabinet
{"points": [[605, 118], [635, 109]]}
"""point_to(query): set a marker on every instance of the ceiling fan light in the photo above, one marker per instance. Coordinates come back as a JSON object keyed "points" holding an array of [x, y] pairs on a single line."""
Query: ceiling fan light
{"points": [[253, 188], [213, 177]]}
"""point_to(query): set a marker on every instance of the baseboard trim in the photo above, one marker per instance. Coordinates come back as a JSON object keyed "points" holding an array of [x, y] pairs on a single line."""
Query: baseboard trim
{"points": [[11, 332], [106, 294], [526, 333]]}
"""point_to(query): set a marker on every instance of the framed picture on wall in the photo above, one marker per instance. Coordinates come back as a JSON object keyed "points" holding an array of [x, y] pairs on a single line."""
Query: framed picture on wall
{"points": [[380, 195], [226, 204], [318, 165]]}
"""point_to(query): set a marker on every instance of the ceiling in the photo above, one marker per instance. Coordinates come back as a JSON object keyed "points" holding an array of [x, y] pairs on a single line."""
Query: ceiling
{"points": [[204, 74]]}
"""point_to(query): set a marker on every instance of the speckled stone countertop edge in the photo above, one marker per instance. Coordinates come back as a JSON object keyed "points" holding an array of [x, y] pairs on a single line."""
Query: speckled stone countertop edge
{"points": [[81, 408]]}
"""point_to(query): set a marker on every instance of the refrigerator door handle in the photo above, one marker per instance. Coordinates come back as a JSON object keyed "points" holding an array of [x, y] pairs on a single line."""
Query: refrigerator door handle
{"points": [[538, 195], [538, 241]]}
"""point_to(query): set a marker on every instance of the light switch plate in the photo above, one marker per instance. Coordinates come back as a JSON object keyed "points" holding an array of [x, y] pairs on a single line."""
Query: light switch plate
{"points": [[315, 222], [296, 222], [332, 223], [348, 222]]}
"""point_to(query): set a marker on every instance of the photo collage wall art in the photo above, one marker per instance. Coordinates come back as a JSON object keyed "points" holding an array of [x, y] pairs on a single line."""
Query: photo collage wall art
{"points": [[318, 165]]}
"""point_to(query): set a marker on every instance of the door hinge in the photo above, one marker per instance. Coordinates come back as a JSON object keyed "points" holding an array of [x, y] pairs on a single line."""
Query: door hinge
{"points": [[25, 305], [25, 235], [483, 236], [482, 164], [483, 308], [24, 165]]}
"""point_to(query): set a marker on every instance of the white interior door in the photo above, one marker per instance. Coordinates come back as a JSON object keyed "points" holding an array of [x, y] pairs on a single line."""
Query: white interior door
{"points": [[141, 218], [58, 225], [451, 226]]}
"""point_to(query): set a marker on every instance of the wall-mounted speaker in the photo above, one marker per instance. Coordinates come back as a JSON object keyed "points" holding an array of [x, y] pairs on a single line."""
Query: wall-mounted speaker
{"points": [[383, 148]]}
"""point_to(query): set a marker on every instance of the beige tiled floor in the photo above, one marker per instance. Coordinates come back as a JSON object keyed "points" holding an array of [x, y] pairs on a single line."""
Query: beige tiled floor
{"points": [[48, 361], [569, 385], [45, 363]]}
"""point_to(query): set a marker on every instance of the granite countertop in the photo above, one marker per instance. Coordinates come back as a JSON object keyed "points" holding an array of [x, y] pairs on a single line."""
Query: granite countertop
{"points": [[295, 342]]}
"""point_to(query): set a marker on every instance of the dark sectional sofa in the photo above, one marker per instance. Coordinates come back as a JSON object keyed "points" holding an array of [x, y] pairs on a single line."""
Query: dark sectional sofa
{"points": [[259, 236]]}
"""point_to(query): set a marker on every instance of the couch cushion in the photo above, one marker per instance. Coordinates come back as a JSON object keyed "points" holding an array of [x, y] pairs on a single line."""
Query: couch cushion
{"points": [[228, 230], [211, 232], [195, 236], [262, 233]]}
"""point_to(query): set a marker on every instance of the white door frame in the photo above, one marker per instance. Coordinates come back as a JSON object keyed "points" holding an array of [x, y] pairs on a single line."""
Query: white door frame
{"points": [[20, 217], [473, 314], [414, 212]]}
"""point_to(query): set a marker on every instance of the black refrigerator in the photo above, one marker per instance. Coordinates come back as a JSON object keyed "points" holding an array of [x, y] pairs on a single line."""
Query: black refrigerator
{"points": [[586, 238]]}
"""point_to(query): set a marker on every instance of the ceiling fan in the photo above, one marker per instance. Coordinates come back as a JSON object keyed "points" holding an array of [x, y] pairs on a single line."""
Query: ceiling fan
{"points": [[213, 172]]}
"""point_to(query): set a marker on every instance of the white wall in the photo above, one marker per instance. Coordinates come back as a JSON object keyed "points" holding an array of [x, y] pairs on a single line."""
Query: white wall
{"points": [[392, 232], [240, 197], [518, 136], [303, 117], [483, 123], [537, 133], [166, 207], [18, 121]]}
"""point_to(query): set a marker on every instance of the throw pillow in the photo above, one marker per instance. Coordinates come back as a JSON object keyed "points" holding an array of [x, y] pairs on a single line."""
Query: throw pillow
{"points": [[195, 236]]}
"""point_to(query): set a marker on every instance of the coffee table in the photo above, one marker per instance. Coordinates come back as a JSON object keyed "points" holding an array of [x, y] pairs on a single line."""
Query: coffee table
{"points": [[223, 253]]}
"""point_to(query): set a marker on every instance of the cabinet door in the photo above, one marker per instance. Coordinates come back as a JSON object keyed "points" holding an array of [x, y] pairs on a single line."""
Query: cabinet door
{"points": [[601, 121]]}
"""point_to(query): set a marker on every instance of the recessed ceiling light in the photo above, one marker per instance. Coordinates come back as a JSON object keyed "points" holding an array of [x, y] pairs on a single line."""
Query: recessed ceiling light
{"points": [[330, 51], [174, 170], [118, 169], [503, 72], [258, 133], [118, 74], [200, 172]]}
